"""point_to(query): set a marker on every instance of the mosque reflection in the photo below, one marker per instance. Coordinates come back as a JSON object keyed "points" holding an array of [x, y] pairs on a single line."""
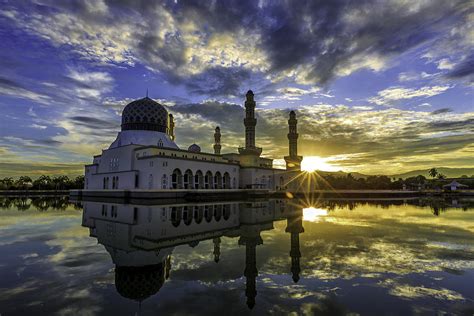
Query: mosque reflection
{"points": [[141, 239]]}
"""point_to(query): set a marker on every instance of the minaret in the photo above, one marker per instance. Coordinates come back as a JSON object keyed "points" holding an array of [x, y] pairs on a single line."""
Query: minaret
{"points": [[250, 122], [217, 249], [171, 126], [293, 161], [295, 228], [217, 141]]}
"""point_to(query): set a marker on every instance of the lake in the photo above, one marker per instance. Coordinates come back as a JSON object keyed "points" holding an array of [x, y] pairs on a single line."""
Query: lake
{"points": [[300, 257]]}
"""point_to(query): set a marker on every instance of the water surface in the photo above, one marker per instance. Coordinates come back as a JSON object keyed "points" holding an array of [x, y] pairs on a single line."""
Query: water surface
{"points": [[251, 257]]}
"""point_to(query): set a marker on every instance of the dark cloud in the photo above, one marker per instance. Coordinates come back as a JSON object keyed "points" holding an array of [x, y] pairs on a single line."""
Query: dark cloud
{"points": [[218, 81], [95, 123], [464, 69], [441, 111], [325, 132], [320, 37], [10, 84], [228, 114]]}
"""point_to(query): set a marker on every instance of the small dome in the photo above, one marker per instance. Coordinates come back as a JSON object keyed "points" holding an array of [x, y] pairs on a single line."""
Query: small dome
{"points": [[250, 92], [145, 114], [194, 148], [292, 114]]}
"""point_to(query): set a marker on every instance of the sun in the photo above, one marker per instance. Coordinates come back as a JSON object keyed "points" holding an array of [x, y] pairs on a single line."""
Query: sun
{"points": [[313, 163], [312, 214]]}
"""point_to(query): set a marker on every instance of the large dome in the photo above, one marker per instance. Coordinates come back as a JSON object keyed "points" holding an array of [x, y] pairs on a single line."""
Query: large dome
{"points": [[146, 115], [139, 283]]}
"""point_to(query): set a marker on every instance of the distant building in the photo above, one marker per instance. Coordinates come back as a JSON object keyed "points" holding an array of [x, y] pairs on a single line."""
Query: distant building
{"points": [[454, 186], [145, 156]]}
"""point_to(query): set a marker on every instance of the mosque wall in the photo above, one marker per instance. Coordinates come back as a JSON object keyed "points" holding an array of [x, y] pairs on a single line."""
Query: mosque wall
{"points": [[156, 172]]}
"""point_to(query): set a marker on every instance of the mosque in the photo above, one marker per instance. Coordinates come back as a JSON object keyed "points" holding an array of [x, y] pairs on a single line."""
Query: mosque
{"points": [[141, 238], [144, 156]]}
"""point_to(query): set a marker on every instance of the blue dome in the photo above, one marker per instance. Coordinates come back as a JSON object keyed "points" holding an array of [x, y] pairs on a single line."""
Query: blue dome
{"points": [[145, 114]]}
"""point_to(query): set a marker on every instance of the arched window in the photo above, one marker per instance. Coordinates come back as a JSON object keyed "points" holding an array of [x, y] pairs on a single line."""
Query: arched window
{"points": [[175, 216], [226, 211], [187, 215], [208, 180], [208, 213], [217, 212], [160, 143], [188, 179], [217, 180], [177, 179], [198, 214], [198, 180]]}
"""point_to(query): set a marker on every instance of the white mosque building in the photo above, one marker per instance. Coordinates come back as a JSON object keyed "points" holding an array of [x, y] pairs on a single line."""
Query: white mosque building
{"points": [[144, 156]]}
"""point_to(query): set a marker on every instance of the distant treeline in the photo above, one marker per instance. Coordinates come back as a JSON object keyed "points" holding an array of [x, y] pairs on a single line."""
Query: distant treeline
{"points": [[42, 183], [324, 182], [348, 182], [437, 205], [39, 203]]}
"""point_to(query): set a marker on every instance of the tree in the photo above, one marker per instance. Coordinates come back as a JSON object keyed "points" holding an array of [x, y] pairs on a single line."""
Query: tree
{"points": [[78, 182], [433, 172], [7, 182], [23, 182], [43, 182], [60, 182], [441, 176]]}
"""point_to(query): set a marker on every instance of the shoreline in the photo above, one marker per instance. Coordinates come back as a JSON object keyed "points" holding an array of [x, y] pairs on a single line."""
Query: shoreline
{"points": [[239, 194], [231, 194]]}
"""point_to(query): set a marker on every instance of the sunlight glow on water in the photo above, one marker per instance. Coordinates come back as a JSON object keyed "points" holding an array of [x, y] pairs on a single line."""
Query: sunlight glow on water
{"points": [[398, 253], [312, 214]]}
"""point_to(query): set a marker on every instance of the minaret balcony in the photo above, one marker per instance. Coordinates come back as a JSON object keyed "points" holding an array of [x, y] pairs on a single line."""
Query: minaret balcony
{"points": [[253, 151]]}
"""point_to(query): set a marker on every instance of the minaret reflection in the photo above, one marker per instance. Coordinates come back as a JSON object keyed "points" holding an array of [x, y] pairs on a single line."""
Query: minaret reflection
{"points": [[141, 238], [217, 249], [250, 238], [295, 228]]}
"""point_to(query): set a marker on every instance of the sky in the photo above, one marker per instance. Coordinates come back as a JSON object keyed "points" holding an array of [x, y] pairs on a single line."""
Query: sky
{"points": [[378, 86]]}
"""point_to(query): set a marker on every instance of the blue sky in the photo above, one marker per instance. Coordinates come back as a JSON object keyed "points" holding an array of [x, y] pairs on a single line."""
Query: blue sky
{"points": [[375, 84]]}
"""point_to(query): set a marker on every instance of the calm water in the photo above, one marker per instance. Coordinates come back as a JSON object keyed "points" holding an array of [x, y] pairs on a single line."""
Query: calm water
{"points": [[264, 257]]}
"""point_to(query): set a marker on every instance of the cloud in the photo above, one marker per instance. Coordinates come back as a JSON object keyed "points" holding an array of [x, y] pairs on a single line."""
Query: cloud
{"points": [[94, 123], [218, 81], [12, 88], [441, 111], [90, 84], [361, 137], [388, 96], [198, 43], [464, 69], [445, 64], [412, 76]]}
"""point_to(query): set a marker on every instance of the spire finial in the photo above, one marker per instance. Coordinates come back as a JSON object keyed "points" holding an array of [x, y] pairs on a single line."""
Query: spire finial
{"points": [[147, 92]]}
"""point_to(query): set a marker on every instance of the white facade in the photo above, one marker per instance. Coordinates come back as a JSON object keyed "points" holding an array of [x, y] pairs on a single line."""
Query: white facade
{"points": [[144, 156]]}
